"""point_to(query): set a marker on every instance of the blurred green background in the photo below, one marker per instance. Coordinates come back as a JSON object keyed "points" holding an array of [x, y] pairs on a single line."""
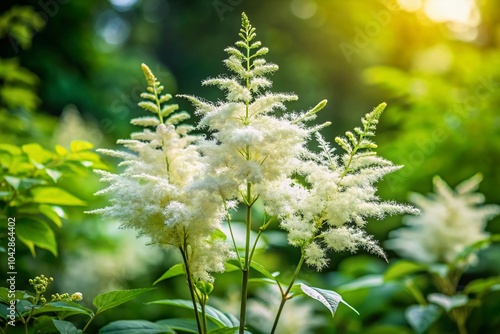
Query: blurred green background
{"points": [[71, 70]]}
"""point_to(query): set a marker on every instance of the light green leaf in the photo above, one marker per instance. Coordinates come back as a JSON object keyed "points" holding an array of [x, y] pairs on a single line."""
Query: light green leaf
{"points": [[175, 270], [49, 212], [11, 149], [368, 281], [448, 302], [36, 233], [260, 268], [330, 299], [53, 174], [55, 195], [233, 330], [483, 285], [134, 327], [37, 153], [403, 268], [66, 327], [13, 181], [112, 299], [420, 317], [80, 145], [219, 318]]}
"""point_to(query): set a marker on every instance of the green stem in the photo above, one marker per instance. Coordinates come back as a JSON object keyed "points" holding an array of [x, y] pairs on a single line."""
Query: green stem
{"points": [[203, 313], [191, 287], [284, 296], [88, 323], [416, 293], [228, 218], [261, 230], [246, 266]]}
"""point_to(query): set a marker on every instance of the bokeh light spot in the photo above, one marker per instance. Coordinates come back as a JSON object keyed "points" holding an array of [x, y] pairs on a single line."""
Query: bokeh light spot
{"points": [[303, 9]]}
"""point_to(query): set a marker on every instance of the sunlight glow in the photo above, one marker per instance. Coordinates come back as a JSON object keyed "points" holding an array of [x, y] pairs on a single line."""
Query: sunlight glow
{"points": [[453, 11]]}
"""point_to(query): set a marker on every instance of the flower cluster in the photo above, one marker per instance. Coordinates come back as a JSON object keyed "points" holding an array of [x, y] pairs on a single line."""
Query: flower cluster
{"points": [[450, 220], [153, 195], [177, 188], [255, 154]]}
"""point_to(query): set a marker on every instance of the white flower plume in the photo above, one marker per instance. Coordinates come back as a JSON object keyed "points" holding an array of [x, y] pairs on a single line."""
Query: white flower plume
{"points": [[153, 196], [450, 220]]}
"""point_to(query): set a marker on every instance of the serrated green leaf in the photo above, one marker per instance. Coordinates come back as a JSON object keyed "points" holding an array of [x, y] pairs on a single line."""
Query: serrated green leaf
{"points": [[134, 327], [66, 327], [403, 268], [55, 195], [175, 270], [112, 299], [221, 319], [36, 233], [63, 309], [420, 317], [330, 299]]}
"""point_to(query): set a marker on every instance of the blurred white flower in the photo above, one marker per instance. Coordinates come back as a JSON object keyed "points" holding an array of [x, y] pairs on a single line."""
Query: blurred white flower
{"points": [[450, 220]]}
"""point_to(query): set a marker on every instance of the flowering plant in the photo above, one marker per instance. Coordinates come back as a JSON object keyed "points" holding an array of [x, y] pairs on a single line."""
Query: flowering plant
{"points": [[179, 188]]}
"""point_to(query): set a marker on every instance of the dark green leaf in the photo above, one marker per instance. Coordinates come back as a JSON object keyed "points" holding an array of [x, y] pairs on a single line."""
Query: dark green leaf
{"points": [[112, 299], [64, 309], [219, 318], [36, 233], [66, 327], [184, 325], [135, 327], [420, 317]]}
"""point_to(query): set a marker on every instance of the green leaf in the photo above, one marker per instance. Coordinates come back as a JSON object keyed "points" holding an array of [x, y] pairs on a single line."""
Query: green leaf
{"points": [[55, 195], [233, 330], [37, 153], [184, 325], [112, 299], [11, 149], [49, 212], [175, 270], [260, 268], [420, 317], [219, 318], [36, 233], [330, 299], [364, 282], [475, 247], [448, 302], [80, 145], [134, 327], [483, 285], [66, 327], [53, 174], [402, 268], [64, 309], [13, 181]]}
